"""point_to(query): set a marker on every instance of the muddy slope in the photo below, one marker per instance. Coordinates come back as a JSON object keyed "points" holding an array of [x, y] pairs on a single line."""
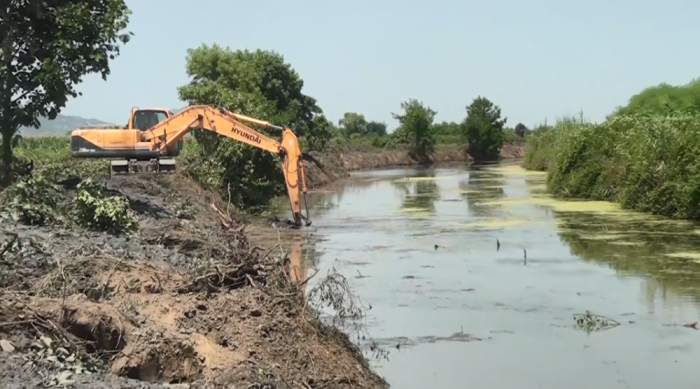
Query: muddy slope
{"points": [[191, 299], [336, 162]]}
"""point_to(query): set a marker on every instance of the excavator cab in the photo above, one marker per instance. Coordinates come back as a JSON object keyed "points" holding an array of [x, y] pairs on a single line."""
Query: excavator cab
{"points": [[143, 119]]}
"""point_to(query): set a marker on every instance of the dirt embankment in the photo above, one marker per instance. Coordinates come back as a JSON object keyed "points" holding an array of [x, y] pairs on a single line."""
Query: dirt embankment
{"points": [[192, 299], [337, 162]]}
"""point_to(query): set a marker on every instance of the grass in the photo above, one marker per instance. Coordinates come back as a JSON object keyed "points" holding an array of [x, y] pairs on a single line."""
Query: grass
{"points": [[51, 157], [645, 162]]}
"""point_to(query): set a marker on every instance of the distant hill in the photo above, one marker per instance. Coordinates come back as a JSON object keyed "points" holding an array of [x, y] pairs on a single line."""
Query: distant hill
{"points": [[62, 125]]}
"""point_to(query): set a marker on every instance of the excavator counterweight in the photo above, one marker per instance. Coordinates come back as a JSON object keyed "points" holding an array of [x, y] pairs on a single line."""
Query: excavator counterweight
{"points": [[153, 137]]}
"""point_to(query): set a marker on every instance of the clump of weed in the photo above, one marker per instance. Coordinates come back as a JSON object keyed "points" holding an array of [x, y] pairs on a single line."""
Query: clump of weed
{"points": [[96, 209], [539, 151], [70, 168], [32, 200]]}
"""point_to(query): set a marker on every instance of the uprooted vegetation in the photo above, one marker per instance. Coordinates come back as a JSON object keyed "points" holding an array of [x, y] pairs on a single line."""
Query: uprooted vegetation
{"points": [[34, 200], [186, 298]]}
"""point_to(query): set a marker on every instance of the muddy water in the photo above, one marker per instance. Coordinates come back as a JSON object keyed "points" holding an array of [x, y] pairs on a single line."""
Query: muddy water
{"points": [[493, 306]]}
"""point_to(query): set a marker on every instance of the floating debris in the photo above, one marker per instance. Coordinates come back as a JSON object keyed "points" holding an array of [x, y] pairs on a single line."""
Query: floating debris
{"points": [[590, 322]]}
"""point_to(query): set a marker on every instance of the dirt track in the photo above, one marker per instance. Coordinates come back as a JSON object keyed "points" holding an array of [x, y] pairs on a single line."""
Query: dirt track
{"points": [[189, 299]]}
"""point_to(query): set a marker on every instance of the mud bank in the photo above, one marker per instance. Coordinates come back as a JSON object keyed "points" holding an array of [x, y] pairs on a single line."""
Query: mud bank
{"points": [[337, 162], [193, 298]]}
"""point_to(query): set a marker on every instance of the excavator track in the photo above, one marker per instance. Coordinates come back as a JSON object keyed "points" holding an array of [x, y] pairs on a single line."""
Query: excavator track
{"points": [[154, 166]]}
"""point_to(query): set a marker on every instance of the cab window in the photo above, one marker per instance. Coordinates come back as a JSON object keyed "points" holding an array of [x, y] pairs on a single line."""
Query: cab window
{"points": [[144, 120]]}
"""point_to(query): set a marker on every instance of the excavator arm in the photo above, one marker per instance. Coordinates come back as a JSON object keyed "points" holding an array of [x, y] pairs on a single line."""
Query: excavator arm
{"points": [[165, 134]]}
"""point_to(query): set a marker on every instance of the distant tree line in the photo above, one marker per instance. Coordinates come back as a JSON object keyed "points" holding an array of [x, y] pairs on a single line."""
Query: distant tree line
{"points": [[483, 130]]}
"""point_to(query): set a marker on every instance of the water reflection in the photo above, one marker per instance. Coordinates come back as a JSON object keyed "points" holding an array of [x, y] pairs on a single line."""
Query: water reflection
{"points": [[481, 187], [295, 265], [327, 198], [638, 245], [419, 192]]}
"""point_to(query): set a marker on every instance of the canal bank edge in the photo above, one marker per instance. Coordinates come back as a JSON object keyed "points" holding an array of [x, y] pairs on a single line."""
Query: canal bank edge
{"points": [[336, 162]]}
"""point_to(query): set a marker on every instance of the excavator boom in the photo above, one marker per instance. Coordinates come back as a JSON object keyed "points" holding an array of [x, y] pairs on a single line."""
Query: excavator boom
{"points": [[162, 140]]}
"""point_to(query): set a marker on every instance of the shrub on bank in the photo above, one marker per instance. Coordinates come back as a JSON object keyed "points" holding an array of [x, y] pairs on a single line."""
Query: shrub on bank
{"points": [[646, 163]]}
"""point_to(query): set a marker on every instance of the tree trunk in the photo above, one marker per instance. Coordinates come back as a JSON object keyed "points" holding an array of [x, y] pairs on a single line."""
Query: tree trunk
{"points": [[6, 152], [6, 110]]}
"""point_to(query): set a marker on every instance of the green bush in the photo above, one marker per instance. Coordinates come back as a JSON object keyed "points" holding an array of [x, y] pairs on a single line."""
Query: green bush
{"points": [[483, 129], [32, 200], [661, 166], [539, 149], [96, 209], [645, 162], [584, 154]]}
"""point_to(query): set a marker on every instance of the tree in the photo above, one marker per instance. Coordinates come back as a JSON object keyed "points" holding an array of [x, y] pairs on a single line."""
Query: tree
{"points": [[664, 98], [353, 123], [448, 132], [259, 84], [483, 128], [520, 130], [417, 123], [46, 49], [376, 128]]}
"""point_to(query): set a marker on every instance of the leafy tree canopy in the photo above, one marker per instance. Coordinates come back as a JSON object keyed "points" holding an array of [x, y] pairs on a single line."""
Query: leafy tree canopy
{"points": [[376, 128], [416, 123], [355, 124], [46, 47], [255, 83], [664, 98], [448, 129], [483, 128], [521, 129]]}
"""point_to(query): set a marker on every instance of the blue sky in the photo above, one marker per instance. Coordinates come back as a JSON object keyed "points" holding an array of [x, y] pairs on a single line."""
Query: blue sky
{"points": [[536, 59]]}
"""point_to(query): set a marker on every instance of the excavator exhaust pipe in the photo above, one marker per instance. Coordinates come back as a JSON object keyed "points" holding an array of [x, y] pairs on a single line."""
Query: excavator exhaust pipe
{"points": [[125, 166]]}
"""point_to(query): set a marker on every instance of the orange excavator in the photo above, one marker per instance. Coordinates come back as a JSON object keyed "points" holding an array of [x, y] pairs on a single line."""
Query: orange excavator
{"points": [[154, 136]]}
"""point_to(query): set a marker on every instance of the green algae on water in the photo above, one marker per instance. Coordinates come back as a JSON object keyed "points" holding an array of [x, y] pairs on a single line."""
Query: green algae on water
{"points": [[685, 255], [421, 179], [558, 205], [496, 223], [515, 170], [416, 211]]}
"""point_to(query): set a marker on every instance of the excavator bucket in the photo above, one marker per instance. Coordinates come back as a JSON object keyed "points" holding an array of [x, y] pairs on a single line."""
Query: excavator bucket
{"points": [[125, 166]]}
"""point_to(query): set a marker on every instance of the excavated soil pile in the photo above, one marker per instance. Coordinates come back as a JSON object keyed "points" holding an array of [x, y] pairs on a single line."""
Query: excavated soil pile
{"points": [[187, 301]]}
